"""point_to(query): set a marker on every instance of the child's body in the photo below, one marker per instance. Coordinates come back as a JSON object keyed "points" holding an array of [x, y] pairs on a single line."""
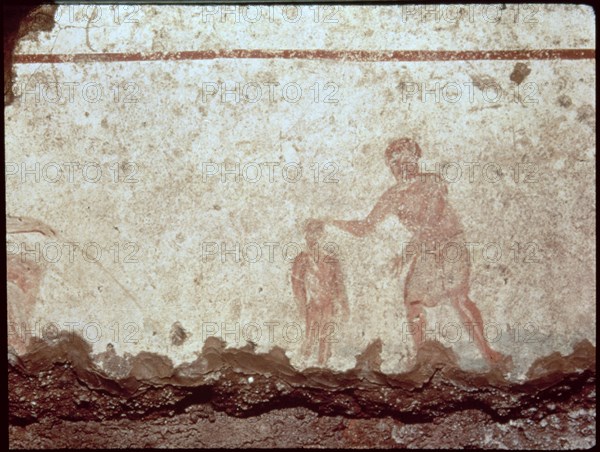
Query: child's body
{"points": [[318, 286]]}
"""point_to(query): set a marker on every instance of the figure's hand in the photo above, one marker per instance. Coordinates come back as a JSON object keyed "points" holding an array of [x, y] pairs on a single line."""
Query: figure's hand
{"points": [[314, 224], [314, 227]]}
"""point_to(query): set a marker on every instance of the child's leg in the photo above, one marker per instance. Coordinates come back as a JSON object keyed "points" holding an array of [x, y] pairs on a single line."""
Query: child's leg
{"points": [[308, 340], [327, 336]]}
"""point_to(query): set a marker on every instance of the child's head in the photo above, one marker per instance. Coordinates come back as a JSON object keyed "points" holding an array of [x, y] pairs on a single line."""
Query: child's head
{"points": [[313, 230]]}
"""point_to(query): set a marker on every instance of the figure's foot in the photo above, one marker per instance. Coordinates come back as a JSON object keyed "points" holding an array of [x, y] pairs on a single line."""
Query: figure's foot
{"points": [[409, 363], [305, 351], [18, 344], [501, 362]]}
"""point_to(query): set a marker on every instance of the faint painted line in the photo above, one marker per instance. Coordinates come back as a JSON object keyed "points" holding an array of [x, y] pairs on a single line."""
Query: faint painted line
{"points": [[337, 55]]}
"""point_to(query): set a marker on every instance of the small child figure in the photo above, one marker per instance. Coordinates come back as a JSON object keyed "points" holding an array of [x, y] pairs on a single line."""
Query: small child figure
{"points": [[318, 287]]}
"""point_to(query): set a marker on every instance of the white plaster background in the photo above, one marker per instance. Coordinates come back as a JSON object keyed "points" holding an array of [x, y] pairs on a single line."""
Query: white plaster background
{"points": [[169, 213]]}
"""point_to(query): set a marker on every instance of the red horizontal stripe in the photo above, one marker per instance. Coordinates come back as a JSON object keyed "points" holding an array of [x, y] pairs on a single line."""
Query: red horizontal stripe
{"points": [[338, 55]]}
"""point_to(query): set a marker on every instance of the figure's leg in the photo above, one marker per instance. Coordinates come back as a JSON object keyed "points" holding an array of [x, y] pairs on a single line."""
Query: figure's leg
{"points": [[416, 321], [307, 342], [413, 300], [415, 328], [327, 328], [470, 314], [324, 350]]}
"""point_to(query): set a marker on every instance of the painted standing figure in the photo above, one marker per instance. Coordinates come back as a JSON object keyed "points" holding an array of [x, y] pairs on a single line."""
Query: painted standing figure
{"points": [[318, 286], [420, 202], [23, 278]]}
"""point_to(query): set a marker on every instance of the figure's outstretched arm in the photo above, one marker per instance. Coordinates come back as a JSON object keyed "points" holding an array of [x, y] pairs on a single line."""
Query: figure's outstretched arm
{"points": [[16, 225], [361, 228], [298, 285]]}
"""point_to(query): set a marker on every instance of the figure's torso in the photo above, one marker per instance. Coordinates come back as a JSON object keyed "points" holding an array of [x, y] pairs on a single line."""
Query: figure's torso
{"points": [[322, 276], [423, 208]]}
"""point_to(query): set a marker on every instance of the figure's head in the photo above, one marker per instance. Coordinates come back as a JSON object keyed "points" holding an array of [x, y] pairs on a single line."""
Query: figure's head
{"points": [[400, 153], [313, 231]]}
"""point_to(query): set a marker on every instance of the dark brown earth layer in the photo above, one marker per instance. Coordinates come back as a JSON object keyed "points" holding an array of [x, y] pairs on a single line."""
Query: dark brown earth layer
{"points": [[22, 19], [59, 397], [199, 427]]}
